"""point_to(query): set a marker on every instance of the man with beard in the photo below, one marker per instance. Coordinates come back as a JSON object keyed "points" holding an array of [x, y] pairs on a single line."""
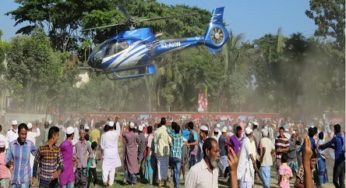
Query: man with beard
{"points": [[205, 173]]}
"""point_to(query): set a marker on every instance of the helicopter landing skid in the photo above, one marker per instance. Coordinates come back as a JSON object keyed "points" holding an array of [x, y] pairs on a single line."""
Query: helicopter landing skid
{"points": [[133, 72]]}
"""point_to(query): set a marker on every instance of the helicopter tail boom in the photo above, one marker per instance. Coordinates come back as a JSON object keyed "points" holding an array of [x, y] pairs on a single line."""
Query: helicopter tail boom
{"points": [[216, 35]]}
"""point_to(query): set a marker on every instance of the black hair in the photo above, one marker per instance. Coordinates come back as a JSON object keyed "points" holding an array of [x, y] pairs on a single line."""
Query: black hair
{"points": [[52, 131], [208, 144], [282, 128], [312, 131], [22, 126], [190, 125], [93, 145], [69, 135], [0, 127], [163, 121], [87, 137], [175, 127], [284, 158], [238, 128], [149, 129], [320, 135], [254, 126], [337, 128], [106, 128]]}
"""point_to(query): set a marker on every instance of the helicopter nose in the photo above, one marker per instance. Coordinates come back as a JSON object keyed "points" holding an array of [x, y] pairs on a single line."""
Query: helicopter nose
{"points": [[94, 62]]}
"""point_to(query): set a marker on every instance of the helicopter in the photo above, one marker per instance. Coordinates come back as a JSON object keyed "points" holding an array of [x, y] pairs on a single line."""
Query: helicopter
{"points": [[133, 50]]}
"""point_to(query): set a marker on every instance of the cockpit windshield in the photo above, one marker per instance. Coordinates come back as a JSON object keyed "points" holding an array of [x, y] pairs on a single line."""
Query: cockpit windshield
{"points": [[106, 49]]}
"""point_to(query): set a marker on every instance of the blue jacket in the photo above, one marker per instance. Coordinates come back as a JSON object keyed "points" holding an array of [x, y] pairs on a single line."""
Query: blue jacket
{"points": [[337, 143]]}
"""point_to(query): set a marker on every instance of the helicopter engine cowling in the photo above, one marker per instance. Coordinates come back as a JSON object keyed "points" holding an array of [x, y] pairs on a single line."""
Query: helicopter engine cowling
{"points": [[216, 35]]}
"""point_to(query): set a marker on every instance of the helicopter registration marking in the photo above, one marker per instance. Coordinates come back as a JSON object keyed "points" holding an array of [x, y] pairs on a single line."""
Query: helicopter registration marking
{"points": [[170, 44]]}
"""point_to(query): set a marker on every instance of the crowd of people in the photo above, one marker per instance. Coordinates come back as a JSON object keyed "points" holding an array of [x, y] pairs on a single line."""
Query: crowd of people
{"points": [[67, 154]]}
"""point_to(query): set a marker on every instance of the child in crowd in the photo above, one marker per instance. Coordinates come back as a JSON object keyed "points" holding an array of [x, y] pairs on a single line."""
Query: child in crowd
{"points": [[92, 176], [285, 172], [4, 171]]}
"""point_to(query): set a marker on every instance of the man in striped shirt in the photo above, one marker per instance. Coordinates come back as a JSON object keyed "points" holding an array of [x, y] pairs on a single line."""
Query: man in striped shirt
{"points": [[50, 161], [282, 145], [18, 158]]}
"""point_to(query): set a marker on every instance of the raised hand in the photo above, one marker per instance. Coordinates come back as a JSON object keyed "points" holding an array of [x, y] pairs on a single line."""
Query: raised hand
{"points": [[232, 160]]}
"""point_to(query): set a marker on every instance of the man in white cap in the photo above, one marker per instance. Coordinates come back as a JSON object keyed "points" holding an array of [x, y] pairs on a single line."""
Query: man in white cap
{"points": [[12, 133], [267, 148], [223, 149], [203, 135], [110, 154], [67, 177], [131, 154], [217, 134], [31, 135], [246, 171]]}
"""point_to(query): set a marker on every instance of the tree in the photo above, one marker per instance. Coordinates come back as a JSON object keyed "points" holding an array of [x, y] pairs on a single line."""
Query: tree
{"points": [[34, 67], [61, 19], [329, 16]]}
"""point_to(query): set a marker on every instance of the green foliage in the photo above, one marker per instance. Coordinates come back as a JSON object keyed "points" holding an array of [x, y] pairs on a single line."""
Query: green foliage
{"points": [[329, 16]]}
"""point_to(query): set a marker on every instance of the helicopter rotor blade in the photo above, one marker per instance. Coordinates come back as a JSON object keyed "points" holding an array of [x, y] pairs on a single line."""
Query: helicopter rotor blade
{"points": [[163, 17], [104, 26]]}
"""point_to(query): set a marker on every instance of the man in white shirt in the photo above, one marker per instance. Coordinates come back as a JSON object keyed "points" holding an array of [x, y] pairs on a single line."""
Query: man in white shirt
{"points": [[32, 137], [33, 133], [266, 149], [12, 133], [205, 173], [246, 171]]}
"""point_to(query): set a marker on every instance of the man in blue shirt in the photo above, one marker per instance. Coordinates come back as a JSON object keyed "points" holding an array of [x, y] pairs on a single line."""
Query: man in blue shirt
{"points": [[18, 158], [337, 143]]}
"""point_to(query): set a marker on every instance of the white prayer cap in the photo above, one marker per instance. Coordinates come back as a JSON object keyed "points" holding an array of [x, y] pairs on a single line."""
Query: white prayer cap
{"points": [[216, 130], [50, 121], [86, 127], [248, 130], [14, 122], [29, 125], [255, 123], [218, 125], [140, 128], [132, 125], [69, 130], [224, 129], [110, 123], [293, 132], [204, 128]]}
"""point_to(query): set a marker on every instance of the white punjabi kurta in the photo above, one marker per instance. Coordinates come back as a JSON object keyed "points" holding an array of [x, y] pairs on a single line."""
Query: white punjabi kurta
{"points": [[109, 145], [11, 135], [32, 137], [245, 170]]}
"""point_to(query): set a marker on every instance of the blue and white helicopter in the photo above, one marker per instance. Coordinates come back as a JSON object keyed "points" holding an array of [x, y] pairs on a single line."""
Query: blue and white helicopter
{"points": [[132, 51]]}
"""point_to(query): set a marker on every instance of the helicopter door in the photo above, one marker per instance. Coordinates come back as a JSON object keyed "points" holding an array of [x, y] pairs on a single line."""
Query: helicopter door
{"points": [[106, 49]]}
